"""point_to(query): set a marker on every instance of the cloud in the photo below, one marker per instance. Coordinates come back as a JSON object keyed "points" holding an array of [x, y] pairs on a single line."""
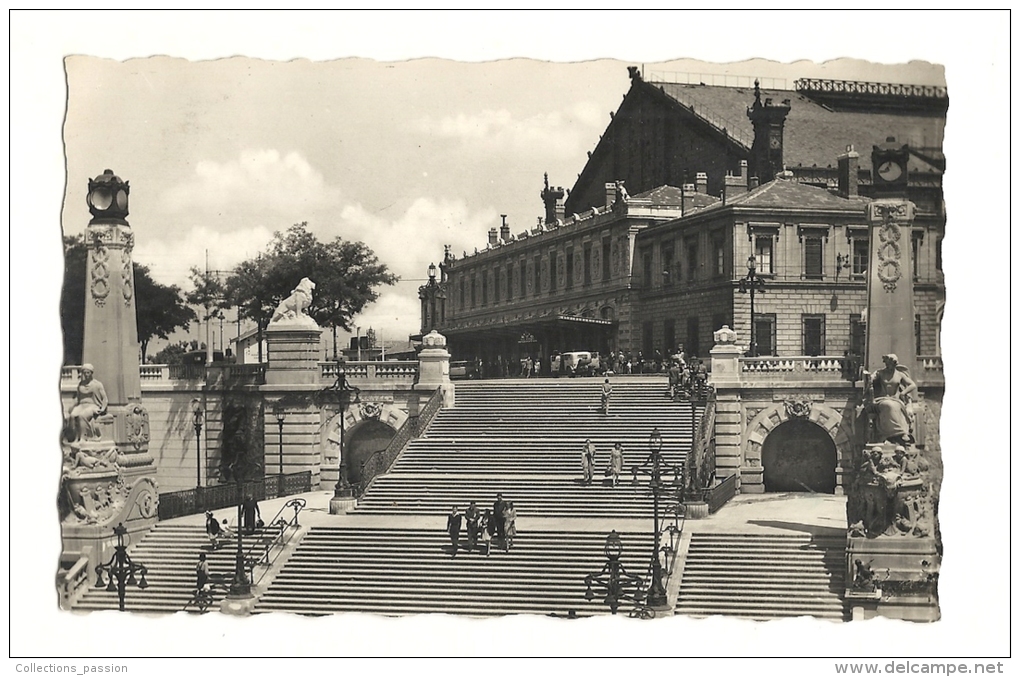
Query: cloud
{"points": [[259, 181], [558, 132], [409, 243], [171, 257]]}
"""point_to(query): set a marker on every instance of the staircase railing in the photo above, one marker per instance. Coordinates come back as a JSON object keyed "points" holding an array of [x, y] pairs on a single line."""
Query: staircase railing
{"points": [[267, 554], [721, 493], [73, 583], [700, 466], [380, 461], [196, 501]]}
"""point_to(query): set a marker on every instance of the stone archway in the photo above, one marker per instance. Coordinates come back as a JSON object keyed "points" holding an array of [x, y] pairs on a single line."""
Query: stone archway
{"points": [[365, 439], [386, 414], [799, 455], [809, 411]]}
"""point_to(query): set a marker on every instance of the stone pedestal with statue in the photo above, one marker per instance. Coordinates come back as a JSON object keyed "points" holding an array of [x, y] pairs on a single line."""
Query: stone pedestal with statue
{"points": [[108, 474], [893, 545]]}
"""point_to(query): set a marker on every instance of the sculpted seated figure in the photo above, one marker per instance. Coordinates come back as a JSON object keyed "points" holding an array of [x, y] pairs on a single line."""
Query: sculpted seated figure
{"points": [[893, 390], [90, 404]]}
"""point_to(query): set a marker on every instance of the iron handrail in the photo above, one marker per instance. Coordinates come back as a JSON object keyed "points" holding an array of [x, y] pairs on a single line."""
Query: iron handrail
{"points": [[411, 429], [297, 504]]}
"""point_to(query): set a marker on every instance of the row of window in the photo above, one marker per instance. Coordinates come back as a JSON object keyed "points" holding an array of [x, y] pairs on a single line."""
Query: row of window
{"points": [[812, 335], [764, 252], [470, 294]]}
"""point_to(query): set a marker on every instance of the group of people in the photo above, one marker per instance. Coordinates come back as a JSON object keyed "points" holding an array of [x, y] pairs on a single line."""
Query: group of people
{"points": [[686, 376], [613, 469], [498, 523], [251, 521]]}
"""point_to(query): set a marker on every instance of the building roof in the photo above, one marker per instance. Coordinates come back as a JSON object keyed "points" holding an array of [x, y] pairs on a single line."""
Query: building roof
{"points": [[787, 194], [663, 195], [814, 134]]}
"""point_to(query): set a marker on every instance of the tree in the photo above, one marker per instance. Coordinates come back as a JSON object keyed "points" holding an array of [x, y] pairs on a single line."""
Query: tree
{"points": [[160, 309], [208, 293], [346, 275]]}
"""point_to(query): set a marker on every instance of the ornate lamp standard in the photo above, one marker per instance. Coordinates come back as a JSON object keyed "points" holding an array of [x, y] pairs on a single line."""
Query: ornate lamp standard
{"points": [[346, 395], [752, 283], [196, 411], [614, 579], [652, 467], [240, 587], [122, 568]]}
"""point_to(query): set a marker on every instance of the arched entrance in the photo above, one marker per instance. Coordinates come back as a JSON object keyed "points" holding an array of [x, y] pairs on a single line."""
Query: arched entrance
{"points": [[799, 455], [364, 440]]}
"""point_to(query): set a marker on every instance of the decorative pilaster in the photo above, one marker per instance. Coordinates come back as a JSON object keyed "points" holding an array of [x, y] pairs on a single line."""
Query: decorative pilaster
{"points": [[729, 454]]}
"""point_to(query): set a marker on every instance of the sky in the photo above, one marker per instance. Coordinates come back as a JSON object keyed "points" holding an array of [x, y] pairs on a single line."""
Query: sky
{"points": [[202, 175], [404, 156]]}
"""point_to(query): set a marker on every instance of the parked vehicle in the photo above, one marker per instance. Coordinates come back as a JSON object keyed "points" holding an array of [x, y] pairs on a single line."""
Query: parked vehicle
{"points": [[578, 363], [463, 369]]}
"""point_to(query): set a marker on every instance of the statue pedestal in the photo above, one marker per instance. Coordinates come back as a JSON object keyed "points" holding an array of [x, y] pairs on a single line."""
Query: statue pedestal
{"points": [[906, 572], [434, 367], [294, 354], [342, 505]]}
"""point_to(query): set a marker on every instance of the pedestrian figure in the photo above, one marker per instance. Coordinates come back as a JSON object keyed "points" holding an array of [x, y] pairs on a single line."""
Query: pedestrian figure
{"points": [[453, 527], [607, 390], [201, 572], [251, 515], [510, 520], [472, 517], [499, 526], [616, 463], [487, 528], [588, 460], [213, 530]]}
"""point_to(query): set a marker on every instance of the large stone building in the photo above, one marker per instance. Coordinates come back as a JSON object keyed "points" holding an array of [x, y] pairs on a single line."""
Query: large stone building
{"points": [[647, 272]]}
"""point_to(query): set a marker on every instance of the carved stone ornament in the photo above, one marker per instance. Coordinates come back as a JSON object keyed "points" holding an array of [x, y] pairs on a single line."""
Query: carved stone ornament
{"points": [[725, 336], [434, 339], [127, 277], [100, 275], [137, 420], [798, 408], [370, 410], [889, 266]]}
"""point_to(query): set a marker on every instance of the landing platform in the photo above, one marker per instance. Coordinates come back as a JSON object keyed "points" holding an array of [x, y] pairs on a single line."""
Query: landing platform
{"points": [[779, 513]]}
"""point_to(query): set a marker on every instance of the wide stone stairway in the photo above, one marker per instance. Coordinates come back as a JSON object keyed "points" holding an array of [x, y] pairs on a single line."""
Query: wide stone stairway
{"points": [[522, 439], [170, 552], [763, 576]]}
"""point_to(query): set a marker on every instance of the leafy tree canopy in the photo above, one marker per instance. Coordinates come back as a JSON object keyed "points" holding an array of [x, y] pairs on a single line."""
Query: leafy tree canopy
{"points": [[346, 276]]}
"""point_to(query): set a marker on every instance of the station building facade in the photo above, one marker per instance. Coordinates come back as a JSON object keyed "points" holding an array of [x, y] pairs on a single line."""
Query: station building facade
{"points": [[649, 272]]}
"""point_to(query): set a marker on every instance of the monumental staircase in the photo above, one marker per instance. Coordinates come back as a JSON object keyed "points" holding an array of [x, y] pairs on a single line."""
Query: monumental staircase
{"points": [[763, 576], [522, 439]]}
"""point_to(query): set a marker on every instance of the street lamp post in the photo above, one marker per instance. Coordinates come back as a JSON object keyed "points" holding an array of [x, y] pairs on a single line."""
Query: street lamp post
{"points": [[196, 410], [752, 282], [614, 579], [344, 392], [652, 467], [240, 587], [280, 414], [122, 568]]}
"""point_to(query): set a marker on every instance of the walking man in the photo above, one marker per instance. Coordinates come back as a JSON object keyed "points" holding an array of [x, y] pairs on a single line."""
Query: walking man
{"points": [[588, 460], [472, 516], [498, 508], [201, 572], [453, 523], [607, 390]]}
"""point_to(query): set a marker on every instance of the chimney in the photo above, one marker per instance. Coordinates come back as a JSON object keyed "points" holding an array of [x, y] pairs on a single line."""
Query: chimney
{"points": [[504, 230], [492, 237], [553, 199], [610, 193], [735, 185], [848, 164], [752, 183], [686, 190], [701, 181]]}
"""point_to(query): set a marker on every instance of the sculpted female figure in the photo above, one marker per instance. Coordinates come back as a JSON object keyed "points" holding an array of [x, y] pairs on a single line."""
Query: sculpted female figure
{"points": [[91, 402], [893, 390]]}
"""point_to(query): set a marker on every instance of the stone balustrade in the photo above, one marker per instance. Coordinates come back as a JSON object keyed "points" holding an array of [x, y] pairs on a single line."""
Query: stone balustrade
{"points": [[392, 371], [792, 368]]}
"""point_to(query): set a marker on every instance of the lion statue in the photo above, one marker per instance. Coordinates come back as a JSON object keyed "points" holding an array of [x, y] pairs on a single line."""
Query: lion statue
{"points": [[293, 307]]}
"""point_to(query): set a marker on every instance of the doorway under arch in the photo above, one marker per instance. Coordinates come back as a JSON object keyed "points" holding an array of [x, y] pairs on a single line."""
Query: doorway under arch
{"points": [[362, 441], [799, 455]]}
